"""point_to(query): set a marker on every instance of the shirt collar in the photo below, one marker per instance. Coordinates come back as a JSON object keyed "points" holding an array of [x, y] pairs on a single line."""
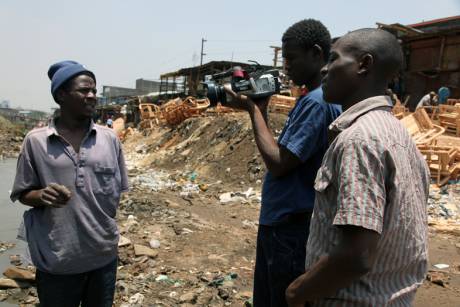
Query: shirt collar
{"points": [[347, 118], [51, 129]]}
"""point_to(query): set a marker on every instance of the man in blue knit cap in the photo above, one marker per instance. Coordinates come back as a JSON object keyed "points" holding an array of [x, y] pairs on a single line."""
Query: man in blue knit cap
{"points": [[72, 173]]}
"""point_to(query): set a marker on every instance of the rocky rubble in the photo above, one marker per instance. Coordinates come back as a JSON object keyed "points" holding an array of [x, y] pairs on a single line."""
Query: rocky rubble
{"points": [[444, 202], [10, 139]]}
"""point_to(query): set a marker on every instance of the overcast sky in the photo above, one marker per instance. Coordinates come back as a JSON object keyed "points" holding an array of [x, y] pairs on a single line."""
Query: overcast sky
{"points": [[122, 40]]}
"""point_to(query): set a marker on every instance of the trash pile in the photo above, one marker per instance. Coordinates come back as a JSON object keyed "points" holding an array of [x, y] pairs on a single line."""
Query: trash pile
{"points": [[214, 148], [444, 202], [10, 139]]}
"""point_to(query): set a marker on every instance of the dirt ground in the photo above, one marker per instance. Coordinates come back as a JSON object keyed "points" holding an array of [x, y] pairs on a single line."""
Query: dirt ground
{"points": [[194, 206], [205, 240]]}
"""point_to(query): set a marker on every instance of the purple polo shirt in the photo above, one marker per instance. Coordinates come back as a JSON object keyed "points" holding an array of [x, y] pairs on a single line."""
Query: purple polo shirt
{"points": [[83, 235]]}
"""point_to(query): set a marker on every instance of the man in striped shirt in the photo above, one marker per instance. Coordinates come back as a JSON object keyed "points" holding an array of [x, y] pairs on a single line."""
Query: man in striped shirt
{"points": [[368, 235]]}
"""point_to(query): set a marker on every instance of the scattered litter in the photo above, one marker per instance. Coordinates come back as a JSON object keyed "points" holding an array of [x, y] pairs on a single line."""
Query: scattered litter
{"points": [[5, 246], [438, 278], [441, 266], [154, 243], [136, 300]]}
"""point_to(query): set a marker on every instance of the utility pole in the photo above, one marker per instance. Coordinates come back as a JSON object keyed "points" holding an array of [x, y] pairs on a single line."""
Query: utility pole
{"points": [[202, 54], [275, 59]]}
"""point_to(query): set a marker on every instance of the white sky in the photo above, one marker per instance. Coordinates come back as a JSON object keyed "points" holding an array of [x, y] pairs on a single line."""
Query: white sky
{"points": [[121, 41]]}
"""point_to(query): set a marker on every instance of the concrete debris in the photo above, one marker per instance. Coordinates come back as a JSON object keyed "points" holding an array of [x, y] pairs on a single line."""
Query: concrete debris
{"points": [[5, 246], [444, 202], [11, 139], [189, 297], [124, 241], [6, 283], [19, 274], [141, 250]]}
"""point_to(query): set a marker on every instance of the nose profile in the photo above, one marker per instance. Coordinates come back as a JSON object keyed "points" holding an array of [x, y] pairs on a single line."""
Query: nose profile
{"points": [[324, 70], [91, 95]]}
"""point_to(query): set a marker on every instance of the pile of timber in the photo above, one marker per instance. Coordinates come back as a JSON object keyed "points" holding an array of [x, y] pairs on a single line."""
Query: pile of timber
{"points": [[440, 150], [281, 104], [173, 112]]}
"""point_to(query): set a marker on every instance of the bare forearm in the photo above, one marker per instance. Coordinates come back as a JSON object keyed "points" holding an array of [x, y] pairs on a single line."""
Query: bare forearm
{"points": [[324, 279], [265, 141], [31, 198], [350, 259]]}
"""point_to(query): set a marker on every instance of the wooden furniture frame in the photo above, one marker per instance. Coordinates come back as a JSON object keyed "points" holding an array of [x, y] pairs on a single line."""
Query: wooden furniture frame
{"points": [[421, 128], [442, 162]]}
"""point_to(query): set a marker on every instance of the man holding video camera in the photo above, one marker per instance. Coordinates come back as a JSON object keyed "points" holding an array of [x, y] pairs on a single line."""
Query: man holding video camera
{"points": [[292, 162]]}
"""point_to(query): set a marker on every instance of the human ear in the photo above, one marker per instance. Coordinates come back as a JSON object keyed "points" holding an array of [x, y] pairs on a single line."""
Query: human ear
{"points": [[317, 52], [59, 96], [366, 62]]}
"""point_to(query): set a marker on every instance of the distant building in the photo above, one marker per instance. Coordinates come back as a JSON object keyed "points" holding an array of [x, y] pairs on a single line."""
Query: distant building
{"points": [[5, 104], [118, 94]]}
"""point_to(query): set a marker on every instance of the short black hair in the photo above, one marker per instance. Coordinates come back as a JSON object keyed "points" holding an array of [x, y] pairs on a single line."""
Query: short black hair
{"points": [[307, 33], [381, 44]]}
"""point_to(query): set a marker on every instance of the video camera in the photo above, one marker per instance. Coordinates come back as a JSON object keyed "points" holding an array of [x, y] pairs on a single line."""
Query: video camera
{"points": [[256, 83]]}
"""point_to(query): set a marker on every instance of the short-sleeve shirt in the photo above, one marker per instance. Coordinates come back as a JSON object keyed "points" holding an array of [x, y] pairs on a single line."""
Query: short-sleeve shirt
{"points": [[82, 235], [443, 94], [305, 136], [373, 177], [425, 101]]}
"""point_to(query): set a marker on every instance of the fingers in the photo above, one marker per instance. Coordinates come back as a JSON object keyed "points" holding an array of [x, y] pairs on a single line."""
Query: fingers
{"points": [[49, 199], [229, 91], [55, 195], [63, 192], [237, 101]]}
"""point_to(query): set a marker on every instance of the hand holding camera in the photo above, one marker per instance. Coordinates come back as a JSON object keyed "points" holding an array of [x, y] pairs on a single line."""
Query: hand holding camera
{"points": [[245, 88]]}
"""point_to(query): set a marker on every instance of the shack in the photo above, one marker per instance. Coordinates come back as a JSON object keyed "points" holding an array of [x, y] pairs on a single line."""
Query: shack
{"points": [[432, 57]]}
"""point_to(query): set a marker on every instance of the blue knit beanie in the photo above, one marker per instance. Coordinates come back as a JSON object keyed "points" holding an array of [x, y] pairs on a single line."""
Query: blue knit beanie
{"points": [[62, 71]]}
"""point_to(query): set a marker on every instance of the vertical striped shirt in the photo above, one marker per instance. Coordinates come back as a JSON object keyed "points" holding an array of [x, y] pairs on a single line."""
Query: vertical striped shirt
{"points": [[373, 176]]}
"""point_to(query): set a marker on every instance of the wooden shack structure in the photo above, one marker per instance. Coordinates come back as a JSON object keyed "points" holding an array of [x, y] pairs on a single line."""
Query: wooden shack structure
{"points": [[432, 57]]}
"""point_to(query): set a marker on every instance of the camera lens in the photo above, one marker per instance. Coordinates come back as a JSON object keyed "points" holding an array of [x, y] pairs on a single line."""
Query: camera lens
{"points": [[215, 93]]}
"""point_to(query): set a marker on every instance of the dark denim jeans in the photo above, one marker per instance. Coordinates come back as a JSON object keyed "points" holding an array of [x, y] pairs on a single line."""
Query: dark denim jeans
{"points": [[92, 289], [280, 259]]}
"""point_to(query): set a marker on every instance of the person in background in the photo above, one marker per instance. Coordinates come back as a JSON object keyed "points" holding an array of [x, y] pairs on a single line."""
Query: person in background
{"points": [[109, 122], [443, 94], [429, 100]]}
